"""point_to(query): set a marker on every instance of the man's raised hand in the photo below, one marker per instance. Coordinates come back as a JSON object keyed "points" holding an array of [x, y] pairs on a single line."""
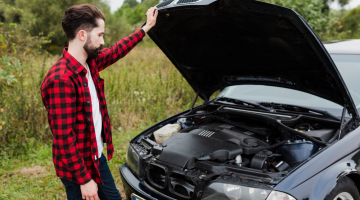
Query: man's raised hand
{"points": [[151, 15]]}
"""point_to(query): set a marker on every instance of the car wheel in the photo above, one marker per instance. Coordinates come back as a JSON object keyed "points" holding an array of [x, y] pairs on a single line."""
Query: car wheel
{"points": [[345, 189]]}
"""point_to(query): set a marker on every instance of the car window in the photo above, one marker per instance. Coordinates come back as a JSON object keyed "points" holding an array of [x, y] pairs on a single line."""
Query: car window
{"points": [[262, 93], [348, 65]]}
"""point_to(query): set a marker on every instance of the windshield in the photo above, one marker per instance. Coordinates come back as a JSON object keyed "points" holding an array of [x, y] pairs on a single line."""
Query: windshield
{"points": [[348, 65]]}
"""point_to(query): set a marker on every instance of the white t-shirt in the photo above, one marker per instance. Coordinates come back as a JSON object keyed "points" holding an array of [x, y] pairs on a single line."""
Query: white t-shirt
{"points": [[96, 114]]}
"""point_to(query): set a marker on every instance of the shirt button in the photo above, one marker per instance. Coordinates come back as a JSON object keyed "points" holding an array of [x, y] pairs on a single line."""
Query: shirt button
{"points": [[88, 101], [89, 119], [77, 72], [85, 84], [84, 70]]}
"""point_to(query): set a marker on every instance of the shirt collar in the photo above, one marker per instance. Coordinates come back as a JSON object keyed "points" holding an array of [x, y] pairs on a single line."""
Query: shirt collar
{"points": [[74, 64]]}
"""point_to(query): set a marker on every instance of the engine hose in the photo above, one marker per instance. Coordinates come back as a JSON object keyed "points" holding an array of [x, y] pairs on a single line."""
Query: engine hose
{"points": [[197, 115], [292, 131], [277, 144], [271, 147], [334, 137]]}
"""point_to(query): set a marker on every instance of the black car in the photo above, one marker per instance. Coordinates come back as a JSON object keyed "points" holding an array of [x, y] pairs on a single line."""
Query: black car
{"points": [[285, 125]]}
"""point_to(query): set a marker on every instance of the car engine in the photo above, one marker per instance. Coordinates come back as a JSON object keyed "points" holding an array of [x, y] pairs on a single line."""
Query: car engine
{"points": [[215, 141]]}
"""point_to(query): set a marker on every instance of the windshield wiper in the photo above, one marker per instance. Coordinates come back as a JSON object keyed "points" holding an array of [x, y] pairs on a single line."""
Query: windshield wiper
{"points": [[244, 103], [288, 107]]}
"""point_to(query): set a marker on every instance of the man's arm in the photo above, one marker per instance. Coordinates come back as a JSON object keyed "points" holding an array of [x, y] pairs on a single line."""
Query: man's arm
{"points": [[118, 50], [112, 54], [62, 109]]}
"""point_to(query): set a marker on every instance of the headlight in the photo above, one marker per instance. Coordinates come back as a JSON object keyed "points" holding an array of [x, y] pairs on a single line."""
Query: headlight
{"points": [[276, 195], [132, 159], [222, 191]]}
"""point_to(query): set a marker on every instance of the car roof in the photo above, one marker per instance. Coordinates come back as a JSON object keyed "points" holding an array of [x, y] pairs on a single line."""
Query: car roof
{"points": [[343, 46]]}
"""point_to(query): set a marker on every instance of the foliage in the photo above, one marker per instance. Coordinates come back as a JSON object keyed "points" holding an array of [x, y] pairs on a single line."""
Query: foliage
{"points": [[141, 89], [326, 4], [8, 66], [324, 24], [351, 22], [16, 40], [131, 3], [136, 14], [46, 18], [17, 104]]}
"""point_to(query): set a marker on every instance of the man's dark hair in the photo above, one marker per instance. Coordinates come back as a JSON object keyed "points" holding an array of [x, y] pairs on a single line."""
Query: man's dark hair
{"points": [[81, 16]]}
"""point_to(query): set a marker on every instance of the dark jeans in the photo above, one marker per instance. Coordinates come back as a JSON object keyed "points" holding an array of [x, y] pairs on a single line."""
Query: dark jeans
{"points": [[106, 191]]}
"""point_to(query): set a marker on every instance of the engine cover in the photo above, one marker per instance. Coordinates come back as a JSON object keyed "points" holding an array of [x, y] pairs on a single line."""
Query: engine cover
{"points": [[214, 141]]}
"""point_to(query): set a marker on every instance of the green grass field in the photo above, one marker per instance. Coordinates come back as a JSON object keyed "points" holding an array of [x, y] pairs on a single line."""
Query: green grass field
{"points": [[33, 176], [141, 89]]}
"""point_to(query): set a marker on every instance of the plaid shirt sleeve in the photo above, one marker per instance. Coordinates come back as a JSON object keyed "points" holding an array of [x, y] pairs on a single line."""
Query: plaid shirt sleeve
{"points": [[112, 54], [62, 110]]}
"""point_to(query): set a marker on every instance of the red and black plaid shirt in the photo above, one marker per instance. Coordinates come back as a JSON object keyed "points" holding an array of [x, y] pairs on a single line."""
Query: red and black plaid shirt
{"points": [[66, 97]]}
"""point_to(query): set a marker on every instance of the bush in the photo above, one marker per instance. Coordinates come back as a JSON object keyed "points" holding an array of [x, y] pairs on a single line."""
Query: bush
{"points": [[326, 26], [351, 22], [20, 117]]}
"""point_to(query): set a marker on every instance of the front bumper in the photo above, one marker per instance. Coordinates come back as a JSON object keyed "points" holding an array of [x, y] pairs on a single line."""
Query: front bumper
{"points": [[139, 187]]}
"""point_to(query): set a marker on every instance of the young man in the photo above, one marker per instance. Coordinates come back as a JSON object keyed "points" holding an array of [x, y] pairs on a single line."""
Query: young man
{"points": [[73, 95]]}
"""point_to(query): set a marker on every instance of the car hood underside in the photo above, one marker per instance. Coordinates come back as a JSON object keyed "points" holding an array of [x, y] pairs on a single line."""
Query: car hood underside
{"points": [[232, 42]]}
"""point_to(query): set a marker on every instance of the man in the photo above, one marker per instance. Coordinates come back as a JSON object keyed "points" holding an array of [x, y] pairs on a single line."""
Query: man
{"points": [[73, 95]]}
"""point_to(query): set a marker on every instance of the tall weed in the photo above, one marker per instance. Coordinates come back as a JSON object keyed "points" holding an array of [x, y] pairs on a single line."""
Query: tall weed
{"points": [[141, 89]]}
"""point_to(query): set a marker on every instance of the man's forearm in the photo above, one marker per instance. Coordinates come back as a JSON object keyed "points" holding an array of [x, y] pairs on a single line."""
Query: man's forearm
{"points": [[112, 54]]}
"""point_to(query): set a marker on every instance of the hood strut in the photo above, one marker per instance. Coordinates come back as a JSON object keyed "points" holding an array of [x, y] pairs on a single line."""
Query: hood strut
{"points": [[342, 120], [193, 104]]}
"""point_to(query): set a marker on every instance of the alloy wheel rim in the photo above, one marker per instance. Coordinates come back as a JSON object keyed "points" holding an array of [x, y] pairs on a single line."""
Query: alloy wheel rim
{"points": [[344, 196]]}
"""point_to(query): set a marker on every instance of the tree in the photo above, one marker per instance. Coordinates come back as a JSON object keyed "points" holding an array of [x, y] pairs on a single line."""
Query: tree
{"points": [[131, 3], [351, 22], [323, 23], [137, 13], [47, 15], [342, 3]]}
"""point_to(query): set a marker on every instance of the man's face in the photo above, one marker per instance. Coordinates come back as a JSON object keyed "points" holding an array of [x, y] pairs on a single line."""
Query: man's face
{"points": [[95, 40]]}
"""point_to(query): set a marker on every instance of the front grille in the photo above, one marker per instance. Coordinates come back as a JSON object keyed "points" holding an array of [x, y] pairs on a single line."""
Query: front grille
{"points": [[186, 1], [157, 176], [177, 185], [206, 133], [181, 185], [165, 3]]}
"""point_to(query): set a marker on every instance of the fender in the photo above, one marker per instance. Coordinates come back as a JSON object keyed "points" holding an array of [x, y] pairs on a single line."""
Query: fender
{"points": [[319, 175]]}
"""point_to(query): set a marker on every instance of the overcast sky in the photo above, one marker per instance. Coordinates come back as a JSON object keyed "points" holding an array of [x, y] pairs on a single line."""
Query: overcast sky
{"points": [[115, 4]]}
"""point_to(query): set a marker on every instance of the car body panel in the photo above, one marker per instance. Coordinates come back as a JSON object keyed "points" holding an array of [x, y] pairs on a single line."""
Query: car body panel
{"points": [[318, 176], [348, 47], [247, 42]]}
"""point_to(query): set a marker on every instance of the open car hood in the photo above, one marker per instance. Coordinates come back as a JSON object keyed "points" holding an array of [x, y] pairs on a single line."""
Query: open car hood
{"points": [[215, 44]]}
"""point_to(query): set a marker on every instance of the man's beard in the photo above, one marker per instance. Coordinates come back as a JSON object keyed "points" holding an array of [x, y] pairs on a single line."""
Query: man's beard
{"points": [[92, 51]]}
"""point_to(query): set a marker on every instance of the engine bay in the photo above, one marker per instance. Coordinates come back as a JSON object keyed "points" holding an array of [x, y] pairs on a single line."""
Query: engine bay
{"points": [[215, 142]]}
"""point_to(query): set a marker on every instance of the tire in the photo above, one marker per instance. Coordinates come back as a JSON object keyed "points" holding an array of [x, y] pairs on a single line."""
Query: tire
{"points": [[345, 189]]}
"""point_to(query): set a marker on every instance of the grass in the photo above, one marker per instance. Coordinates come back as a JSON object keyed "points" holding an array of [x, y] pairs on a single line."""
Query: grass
{"points": [[141, 89], [33, 176]]}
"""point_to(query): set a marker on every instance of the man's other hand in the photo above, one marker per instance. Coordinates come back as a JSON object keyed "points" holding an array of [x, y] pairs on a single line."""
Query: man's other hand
{"points": [[151, 15], [89, 191]]}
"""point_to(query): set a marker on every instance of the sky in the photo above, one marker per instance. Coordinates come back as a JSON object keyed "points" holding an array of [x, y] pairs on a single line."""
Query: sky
{"points": [[116, 4], [351, 5]]}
